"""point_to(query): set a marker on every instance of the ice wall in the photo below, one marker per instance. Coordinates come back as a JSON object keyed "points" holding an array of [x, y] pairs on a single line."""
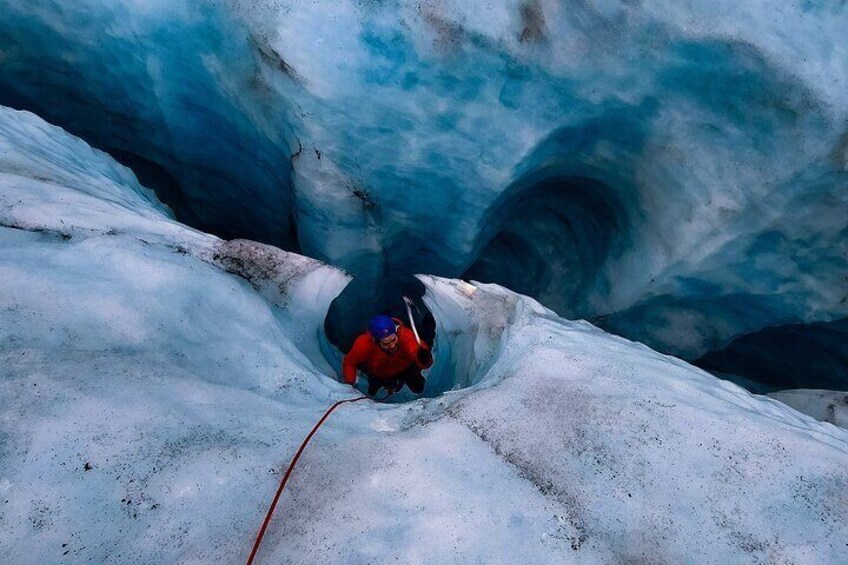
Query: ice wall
{"points": [[675, 172], [671, 180], [169, 89]]}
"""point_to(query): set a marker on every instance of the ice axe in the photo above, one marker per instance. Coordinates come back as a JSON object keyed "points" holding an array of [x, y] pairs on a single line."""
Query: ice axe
{"points": [[409, 306]]}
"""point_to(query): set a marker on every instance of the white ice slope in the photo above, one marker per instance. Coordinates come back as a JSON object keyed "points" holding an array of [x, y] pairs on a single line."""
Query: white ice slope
{"points": [[154, 382]]}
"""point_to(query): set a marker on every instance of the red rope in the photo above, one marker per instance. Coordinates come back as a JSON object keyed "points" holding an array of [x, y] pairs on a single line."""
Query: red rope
{"points": [[289, 472]]}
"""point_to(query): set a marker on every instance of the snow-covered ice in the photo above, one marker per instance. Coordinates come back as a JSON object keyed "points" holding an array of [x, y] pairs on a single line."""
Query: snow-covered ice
{"points": [[156, 380]]}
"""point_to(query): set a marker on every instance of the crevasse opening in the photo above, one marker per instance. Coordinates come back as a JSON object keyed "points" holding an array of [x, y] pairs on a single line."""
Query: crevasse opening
{"points": [[348, 315], [464, 323]]}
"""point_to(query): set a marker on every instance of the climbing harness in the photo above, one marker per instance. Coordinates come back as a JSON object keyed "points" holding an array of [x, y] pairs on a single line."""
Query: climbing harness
{"points": [[289, 471]]}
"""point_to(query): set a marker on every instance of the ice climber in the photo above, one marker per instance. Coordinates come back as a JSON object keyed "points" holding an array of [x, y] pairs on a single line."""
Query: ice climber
{"points": [[390, 355]]}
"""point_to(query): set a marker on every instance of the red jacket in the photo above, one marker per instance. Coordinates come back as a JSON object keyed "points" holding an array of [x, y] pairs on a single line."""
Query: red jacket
{"points": [[367, 356]]}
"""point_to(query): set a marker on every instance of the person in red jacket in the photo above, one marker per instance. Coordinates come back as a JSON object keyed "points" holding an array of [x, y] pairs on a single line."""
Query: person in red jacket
{"points": [[389, 355]]}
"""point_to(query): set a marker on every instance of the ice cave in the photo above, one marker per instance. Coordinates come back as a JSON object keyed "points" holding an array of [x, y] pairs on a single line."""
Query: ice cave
{"points": [[622, 227]]}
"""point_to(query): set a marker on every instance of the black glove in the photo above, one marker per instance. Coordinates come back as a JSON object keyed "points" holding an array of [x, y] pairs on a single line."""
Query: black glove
{"points": [[424, 356]]}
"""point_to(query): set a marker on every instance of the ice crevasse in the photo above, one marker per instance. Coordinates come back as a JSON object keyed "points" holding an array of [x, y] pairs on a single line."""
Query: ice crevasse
{"points": [[156, 379], [673, 171]]}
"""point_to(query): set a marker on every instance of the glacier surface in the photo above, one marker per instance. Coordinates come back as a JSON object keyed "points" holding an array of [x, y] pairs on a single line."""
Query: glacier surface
{"points": [[676, 172], [156, 380]]}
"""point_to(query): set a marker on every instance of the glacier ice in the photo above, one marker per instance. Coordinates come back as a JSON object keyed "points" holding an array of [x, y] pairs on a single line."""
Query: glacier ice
{"points": [[165, 88], [683, 165], [156, 379]]}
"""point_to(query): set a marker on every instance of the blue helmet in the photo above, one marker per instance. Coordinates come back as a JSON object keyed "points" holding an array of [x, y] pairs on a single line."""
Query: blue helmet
{"points": [[381, 327]]}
